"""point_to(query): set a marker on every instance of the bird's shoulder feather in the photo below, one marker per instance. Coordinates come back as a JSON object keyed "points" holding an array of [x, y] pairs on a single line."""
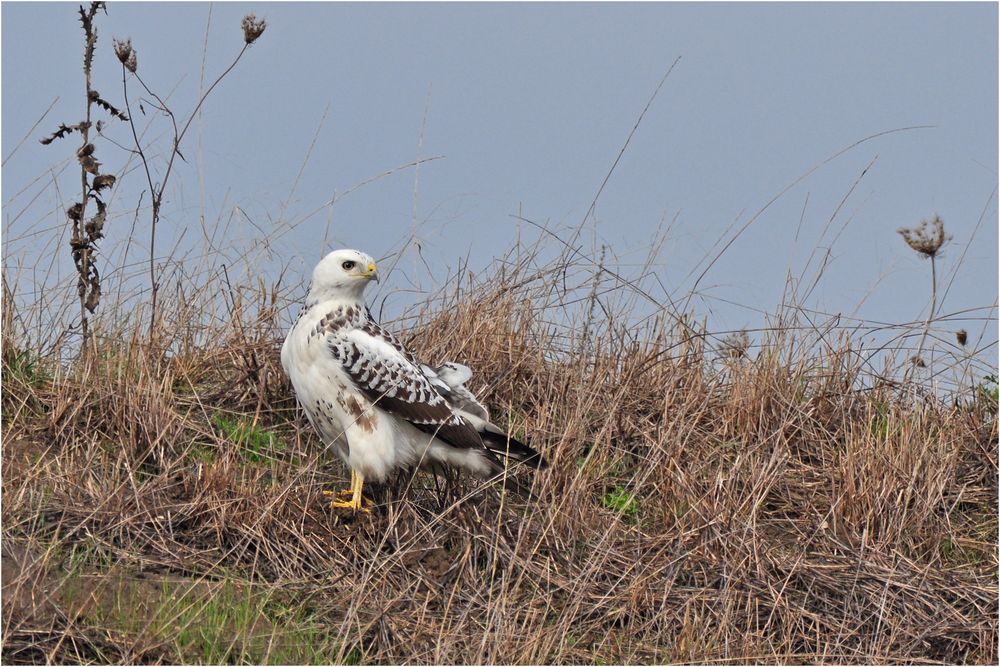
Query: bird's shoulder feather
{"points": [[392, 379]]}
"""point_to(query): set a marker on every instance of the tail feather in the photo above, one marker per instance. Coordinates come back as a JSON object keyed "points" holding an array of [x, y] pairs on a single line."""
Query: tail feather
{"points": [[512, 448], [449, 380]]}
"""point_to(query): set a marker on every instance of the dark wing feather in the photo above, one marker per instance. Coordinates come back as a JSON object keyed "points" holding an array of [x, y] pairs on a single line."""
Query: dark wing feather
{"points": [[397, 385]]}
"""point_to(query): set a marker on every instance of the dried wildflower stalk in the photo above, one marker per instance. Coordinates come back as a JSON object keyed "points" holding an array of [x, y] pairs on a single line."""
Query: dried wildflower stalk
{"points": [[926, 239], [253, 28], [86, 233]]}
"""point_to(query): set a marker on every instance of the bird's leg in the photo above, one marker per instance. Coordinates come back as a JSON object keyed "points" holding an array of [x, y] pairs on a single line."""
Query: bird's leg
{"points": [[349, 493], [356, 499]]}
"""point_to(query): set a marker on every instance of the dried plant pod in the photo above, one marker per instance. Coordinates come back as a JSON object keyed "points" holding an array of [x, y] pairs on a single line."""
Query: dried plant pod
{"points": [[962, 336], [103, 181], [93, 298], [75, 211], [95, 226], [90, 164]]}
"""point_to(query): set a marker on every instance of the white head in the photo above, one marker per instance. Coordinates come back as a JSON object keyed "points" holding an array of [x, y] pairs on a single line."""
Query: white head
{"points": [[343, 275]]}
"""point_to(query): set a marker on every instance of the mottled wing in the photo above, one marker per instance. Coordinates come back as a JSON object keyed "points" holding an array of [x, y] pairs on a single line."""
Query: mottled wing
{"points": [[395, 383], [449, 380]]}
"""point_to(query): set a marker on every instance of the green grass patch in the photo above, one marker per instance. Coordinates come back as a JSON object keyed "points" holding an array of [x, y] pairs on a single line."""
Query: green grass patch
{"points": [[879, 425], [26, 367], [238, 625], [201, 453], [256, 445], [198, 623], [622, 501]]}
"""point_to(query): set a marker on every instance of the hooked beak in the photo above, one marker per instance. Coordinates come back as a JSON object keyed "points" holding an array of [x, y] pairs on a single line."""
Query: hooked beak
{"points": [[372, 273]]}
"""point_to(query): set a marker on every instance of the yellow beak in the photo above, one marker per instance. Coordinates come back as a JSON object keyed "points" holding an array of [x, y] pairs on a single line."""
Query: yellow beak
{"points": [[372, 272]]}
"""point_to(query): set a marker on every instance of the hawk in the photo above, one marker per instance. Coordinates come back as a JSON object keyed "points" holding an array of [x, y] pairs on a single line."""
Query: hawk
{"points": [[368, 397]]}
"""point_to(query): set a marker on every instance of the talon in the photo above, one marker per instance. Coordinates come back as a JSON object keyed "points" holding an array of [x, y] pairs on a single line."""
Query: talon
{"points": [[356, 501], [349, 505]]}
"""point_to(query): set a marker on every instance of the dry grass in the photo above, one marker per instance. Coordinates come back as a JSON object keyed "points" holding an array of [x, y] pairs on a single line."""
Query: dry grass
{"points": [[765, 496], [783, 505]]}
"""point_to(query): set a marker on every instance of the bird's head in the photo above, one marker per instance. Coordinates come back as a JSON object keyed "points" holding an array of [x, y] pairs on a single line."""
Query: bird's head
{"points": [[343, 274]]}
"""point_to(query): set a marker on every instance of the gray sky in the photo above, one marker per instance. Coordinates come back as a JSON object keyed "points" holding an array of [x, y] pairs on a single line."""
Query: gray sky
{"points": [[530, 104]]}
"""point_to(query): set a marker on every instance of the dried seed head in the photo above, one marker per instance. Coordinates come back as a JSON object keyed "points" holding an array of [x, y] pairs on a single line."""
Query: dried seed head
{"points": [[86, 149], [736, 344], [127, 54], [962, 336], [123, 49], [253, 28], [918, 362], [927, 238]]}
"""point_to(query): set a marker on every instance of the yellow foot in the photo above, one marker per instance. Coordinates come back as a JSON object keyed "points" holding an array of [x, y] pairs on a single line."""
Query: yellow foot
{"points": [[348, 502], [357, 501]]}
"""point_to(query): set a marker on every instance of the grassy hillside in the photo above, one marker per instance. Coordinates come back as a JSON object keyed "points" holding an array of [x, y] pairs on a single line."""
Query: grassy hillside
{"points": [[766, 500], [785, 495]]}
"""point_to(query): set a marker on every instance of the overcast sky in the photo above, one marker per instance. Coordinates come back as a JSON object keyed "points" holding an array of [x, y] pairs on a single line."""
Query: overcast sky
{"points": [[529, 105]]}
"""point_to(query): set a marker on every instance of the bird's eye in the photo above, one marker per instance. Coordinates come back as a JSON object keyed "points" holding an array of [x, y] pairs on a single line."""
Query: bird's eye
{"points": [[348, 265]]}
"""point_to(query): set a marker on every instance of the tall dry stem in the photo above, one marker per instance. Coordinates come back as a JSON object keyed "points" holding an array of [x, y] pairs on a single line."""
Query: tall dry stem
{"points": [[926, 240], [252, 28], [85, 233]]}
